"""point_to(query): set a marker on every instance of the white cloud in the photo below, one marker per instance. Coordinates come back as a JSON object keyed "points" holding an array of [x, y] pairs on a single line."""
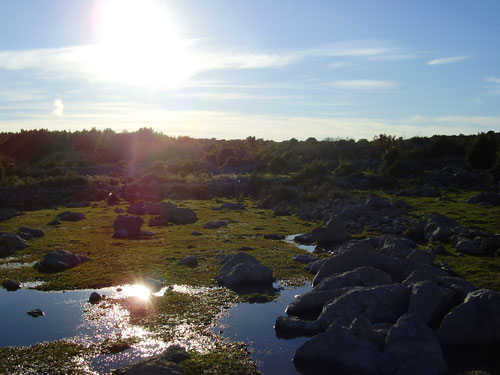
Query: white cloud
{"points": [[493, 80], [364, 84], [490, 122], [58, 107], [447, 60]]}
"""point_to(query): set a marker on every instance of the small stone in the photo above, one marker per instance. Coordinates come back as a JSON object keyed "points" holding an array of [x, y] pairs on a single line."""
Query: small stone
{"points": [[190, 261], [11, 285], [36, 313], [95, 298]]}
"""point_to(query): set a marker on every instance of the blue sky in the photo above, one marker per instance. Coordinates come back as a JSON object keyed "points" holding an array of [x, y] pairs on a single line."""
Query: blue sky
{"points": [[273, 69]]}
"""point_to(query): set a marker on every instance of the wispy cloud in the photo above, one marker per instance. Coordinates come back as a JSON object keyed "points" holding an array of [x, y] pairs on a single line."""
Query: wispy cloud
{"points": [[494, 80], [364, 84], [225, 96], [447, 60]]}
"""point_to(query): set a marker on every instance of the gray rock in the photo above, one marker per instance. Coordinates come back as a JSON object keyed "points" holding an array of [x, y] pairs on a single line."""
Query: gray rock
{"points": [[152, 208], [430, 302], [126, 226], [274, 236], [190, 261], [158, 222], [54, 222], [359, 256], [304, 258], [315, 266], [469, 247], [163, 364], [474, 322], [334, 232], [215, 224], [11, 285], [136, 208], [340, 349], [177, 215], [306, 238], [70, 216], [362, 276], [7, 213], [10, 242], [361, 327], [95, 297], [441, 234], [397, 247], [34, 232], [385, 303], [411, 348], [288, 327], [487, 198], [196, 233], [36, 313], [311, 303], [60, 260], [243, 270], [421, 256], [460, 286]]}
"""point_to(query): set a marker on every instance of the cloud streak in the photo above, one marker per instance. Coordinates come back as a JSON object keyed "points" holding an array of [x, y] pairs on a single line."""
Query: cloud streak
{"points": [[447, 60], [364, 84]]}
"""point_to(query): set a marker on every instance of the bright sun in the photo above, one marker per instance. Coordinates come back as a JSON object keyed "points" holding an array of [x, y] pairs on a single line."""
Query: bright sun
{"points": [[139, 44]]}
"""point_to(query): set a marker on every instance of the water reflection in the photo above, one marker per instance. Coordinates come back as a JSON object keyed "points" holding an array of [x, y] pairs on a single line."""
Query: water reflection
{"points": [[69, 315], [306, 247], [253, 323]]}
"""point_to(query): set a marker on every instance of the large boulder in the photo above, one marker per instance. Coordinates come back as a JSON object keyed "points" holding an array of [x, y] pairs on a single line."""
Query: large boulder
{"points": [[311, 303], [474, 322], [176, 215], [152, 208], [34, 232], [430, 302], [460, 286], [335, 231], [339, 348], [488, 198], [411, 348], [166, 363], [10, 242], [385, 303], [70, 216], [362, 276], [60, 260], [136, 208], [126, 226], [244, 271], [362, 255]]}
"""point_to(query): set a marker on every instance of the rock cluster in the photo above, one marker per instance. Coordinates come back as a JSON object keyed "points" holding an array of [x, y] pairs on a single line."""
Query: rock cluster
{"points": [[371, 306], [126, 226]]}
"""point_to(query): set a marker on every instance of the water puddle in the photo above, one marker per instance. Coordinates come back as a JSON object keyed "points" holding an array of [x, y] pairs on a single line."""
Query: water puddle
{"points": [[253, 323], [307, 247], [69, 315]]}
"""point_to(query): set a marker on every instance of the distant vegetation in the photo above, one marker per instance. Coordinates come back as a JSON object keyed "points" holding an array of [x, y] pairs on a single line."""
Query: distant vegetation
{"points": [[303, 168]]}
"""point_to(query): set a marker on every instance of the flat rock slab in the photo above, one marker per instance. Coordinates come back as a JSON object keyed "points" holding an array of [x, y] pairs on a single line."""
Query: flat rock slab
{"points": [[60, 260]]}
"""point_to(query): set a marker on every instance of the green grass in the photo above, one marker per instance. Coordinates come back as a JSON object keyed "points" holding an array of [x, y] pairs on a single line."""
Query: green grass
{"points": [[118, 261]]}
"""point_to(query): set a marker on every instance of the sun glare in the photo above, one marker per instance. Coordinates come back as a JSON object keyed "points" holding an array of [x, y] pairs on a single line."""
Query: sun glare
{"points": [[139, 44], [139, 291]]}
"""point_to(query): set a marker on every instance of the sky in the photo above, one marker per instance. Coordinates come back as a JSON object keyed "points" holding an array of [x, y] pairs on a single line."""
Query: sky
{"points": [[229, 69]]}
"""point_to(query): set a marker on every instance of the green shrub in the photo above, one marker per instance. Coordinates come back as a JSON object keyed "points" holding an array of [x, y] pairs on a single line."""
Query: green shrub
{"points": [[345, 168], [481, 153]]}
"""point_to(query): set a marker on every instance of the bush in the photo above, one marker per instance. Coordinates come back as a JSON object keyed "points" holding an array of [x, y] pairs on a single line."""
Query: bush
{"points": [[277, 165], [481, 153], [314, 173], [345, 168]]}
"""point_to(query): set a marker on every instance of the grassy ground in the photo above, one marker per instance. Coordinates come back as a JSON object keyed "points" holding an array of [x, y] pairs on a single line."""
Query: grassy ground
{"points": [[119, 261]]}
